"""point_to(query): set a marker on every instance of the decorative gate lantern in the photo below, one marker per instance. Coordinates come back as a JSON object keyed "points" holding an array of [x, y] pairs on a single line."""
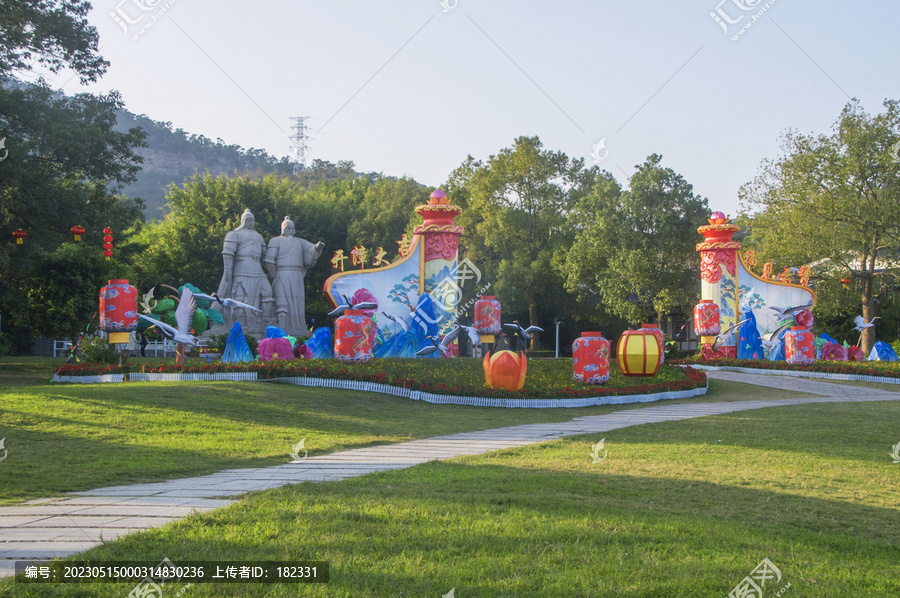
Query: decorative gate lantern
{"points": [[77, 231], [706, 318], [487, 315], [590, 358], [19, 234], [118, 310], [638, 353], [799, 346], [354, 337], [660, 338]]}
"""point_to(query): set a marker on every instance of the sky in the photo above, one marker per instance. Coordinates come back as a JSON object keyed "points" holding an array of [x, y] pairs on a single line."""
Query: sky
{"points": [[413, 87]]}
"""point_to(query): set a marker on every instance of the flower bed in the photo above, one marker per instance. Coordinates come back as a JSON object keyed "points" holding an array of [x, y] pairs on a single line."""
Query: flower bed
{"points": [[547, 380]]}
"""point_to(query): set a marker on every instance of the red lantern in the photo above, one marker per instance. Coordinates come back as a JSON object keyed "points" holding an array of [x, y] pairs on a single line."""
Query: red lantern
{"points": [[660, 338], [77, 231], [354, 336], [19, 235], [637, 353], [118, 310], [798, 345], [506, 370], [487, 315], [107, 245], [706, 318], [845, 282], [590, 358]]}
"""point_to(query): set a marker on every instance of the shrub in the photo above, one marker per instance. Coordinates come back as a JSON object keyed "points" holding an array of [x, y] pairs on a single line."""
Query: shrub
{"points": [[98, 350]]}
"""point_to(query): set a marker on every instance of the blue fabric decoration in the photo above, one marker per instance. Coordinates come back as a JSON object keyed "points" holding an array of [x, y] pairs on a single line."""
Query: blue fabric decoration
{"points": [[275, 332], [320, 343], [749, 343], [882, 351], [236, 347], [424, 325]]}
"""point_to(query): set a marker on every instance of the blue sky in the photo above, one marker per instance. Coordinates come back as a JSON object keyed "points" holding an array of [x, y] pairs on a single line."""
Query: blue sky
{"points": [[411, 87]]}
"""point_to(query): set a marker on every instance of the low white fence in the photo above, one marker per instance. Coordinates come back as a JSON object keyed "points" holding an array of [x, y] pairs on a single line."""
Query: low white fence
{"points": [[162, 348]]}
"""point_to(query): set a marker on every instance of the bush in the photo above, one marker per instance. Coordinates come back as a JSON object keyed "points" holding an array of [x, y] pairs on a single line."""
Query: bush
{"points": [[5, 345], [98, 350], [896, 346]]}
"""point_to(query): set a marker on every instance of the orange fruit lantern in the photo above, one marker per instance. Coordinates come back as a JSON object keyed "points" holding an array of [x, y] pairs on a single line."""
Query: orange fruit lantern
{"points": [[506, 370]]}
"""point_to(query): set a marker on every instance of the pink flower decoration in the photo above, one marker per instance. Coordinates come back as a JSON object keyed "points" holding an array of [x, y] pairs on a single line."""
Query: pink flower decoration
{"points": [[834, 352], [301, 351], [364, 296], [855, 354], [275, 348], [803, 318]]}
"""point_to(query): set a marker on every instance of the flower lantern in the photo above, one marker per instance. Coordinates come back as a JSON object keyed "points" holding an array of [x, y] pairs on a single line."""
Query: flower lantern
{"points": [[637, 353], [706, 318], [487, 315], [660, 338], [275, 348], [107, 242], [590, 358], [506, 370], [798, 345], [118, 310], [354, 337], [834, 352], [19, 235], [77, 231]]}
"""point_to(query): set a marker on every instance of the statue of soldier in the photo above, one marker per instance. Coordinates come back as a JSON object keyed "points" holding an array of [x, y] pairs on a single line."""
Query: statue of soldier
{"points": [[287, 260], [244, 279]]}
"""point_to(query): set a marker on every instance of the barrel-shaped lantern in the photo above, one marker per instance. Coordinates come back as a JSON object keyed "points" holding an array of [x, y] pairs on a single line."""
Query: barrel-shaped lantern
{"points": [[118, 310], [799, 346], [638, 353], [354, 336], [660, 338], [590, 358], [706, 318], [487, 315]]}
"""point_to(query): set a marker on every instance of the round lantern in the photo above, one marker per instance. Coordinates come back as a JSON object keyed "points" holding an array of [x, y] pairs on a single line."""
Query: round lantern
{"points": [[118, 310], [706, 318], [799, 346], [487, 315], [590, 358], [19, 235], [354, 336], [638, 353], [107, 245], [506, 370], [660, 338], [77, 231]]}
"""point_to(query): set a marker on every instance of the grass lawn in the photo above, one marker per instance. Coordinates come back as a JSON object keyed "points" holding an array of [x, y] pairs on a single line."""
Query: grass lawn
{"points": [[678, 509]]}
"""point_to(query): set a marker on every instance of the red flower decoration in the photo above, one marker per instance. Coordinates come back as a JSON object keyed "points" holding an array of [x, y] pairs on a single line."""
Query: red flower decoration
{"points": [[803, 318], [834, 352], [275, 348], [364, 296], [855, 354]]}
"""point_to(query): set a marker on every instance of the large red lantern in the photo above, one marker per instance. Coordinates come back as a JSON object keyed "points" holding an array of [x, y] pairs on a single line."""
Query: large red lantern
{"points": [[19, 235], [354, 336], [590, 358], [798, 345], [118, 310], [637, 353], [77, 231], [506, 370], [706, 318], [660, 338], [487, 315]]}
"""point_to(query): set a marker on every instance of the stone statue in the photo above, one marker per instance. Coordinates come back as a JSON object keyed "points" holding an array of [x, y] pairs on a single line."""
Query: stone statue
{"points": [[287, 260], [244, 279]]}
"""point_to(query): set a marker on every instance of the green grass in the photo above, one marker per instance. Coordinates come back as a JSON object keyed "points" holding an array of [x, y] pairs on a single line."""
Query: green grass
{"points": [[677, 509], [69, 437]]}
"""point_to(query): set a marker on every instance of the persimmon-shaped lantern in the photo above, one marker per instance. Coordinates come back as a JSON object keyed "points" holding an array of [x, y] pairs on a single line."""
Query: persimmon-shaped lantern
{"points": [[637, 353], [798, 345], [77, 231], [506, 370], [354, 337], [118, 310], [706, 318], [590, 358], [19, 235], [660, 338], [487, 315]]}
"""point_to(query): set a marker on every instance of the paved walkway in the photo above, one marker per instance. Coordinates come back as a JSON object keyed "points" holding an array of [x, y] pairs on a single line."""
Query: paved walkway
{"points": [[47, 528]]}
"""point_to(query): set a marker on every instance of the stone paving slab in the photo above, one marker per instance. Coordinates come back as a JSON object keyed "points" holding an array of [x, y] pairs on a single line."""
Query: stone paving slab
{"points": [[48, 528]]}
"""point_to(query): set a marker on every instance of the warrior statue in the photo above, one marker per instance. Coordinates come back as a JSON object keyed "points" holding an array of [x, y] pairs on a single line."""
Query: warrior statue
{"points": [[287, 260], [244, 279]]}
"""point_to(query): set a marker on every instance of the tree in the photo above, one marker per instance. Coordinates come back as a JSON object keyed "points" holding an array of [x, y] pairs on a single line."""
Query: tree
{"points": [[636, 250], [517, 203], [835, 197], [63, 161]]}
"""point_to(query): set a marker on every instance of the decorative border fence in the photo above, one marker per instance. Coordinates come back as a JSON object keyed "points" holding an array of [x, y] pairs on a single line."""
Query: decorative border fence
{"points": [[800, 374]]}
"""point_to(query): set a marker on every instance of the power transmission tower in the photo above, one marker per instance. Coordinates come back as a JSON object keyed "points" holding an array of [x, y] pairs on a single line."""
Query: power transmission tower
{"points": [[299, 146]]}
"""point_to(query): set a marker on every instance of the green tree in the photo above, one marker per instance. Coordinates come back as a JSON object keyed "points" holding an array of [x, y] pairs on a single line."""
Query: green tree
{"points": [[635, 250], [517, 204], [836, 198]]}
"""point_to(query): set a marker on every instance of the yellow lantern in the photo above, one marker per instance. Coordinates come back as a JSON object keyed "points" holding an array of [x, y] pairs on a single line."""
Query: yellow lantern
{"points": [[638, 353]]}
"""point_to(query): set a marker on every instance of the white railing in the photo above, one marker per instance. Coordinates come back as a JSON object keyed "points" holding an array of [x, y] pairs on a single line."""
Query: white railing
{"points": [[162, 348]]}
